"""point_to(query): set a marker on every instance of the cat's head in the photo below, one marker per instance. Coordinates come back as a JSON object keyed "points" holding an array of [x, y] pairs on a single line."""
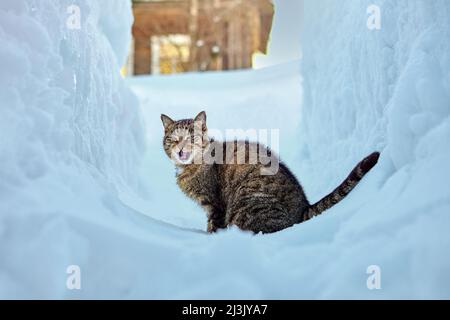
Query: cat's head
{"points": [[185, 140]]}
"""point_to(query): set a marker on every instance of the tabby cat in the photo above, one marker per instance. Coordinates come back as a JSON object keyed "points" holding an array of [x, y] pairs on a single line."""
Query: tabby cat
{"points": [[240, 194]]}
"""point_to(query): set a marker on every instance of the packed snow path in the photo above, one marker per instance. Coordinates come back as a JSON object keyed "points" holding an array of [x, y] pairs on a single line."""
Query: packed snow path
{"points": [[84, 181]]}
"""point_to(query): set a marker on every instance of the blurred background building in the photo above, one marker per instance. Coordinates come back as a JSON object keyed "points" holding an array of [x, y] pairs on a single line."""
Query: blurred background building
{"points": [[174, 36]]}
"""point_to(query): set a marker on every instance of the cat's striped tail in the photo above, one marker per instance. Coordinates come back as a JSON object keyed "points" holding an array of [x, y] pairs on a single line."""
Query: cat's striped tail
{"points": [[345, 187]]}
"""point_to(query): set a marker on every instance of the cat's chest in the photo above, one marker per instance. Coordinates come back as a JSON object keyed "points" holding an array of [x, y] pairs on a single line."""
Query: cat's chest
{"points": [[195, 181]]}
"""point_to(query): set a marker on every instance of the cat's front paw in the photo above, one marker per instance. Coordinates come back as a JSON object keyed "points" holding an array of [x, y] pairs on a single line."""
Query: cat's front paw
{"points": [[211, 227]]}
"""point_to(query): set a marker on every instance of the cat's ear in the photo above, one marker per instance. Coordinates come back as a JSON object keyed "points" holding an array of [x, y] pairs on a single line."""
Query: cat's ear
{"points": [[201, 117], [166, 121], [200, 120]]}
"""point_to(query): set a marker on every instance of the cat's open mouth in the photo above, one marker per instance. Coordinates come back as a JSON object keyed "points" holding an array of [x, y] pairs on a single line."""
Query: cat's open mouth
{"points": [[184, 156]]}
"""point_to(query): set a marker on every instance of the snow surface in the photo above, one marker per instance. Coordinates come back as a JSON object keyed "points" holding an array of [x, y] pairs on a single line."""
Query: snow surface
{"points": [[82, 183], [71, 135]]}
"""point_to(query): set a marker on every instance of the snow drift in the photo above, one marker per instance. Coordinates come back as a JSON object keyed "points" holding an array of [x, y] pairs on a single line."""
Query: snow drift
{"points": [[71, 143], [69, 127], [386, 89]]}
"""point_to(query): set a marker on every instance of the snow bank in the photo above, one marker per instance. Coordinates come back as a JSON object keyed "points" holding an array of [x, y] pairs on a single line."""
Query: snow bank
{"points": [[389, 90], [70, 133], [361, 82]]}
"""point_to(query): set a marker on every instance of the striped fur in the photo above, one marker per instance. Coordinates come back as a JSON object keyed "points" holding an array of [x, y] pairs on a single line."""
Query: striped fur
{"points": [[344, 188], [238, 194]]}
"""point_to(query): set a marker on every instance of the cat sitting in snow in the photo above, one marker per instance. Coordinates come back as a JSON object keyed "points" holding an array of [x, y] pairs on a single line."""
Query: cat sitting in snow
{"points": [[234, 193]]}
